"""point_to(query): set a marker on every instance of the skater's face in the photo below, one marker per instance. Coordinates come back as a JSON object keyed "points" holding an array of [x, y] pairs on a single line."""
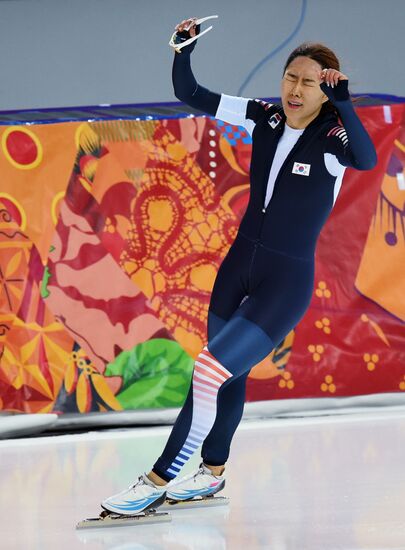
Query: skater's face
{"points": [[301, 95]]}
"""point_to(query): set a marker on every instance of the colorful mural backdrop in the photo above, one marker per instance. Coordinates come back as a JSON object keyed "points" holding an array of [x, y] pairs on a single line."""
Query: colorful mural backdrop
{"points": [[111, 234]]}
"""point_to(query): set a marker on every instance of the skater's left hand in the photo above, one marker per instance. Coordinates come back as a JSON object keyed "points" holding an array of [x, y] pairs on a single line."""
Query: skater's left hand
{"points": [[334, 84]]}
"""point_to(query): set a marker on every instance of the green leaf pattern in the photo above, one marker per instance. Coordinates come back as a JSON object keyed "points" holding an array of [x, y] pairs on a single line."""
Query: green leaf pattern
{"points": [[155, 374]]}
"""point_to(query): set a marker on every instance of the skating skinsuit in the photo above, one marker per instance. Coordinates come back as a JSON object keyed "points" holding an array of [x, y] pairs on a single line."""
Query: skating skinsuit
{"points": [[265, 283]]}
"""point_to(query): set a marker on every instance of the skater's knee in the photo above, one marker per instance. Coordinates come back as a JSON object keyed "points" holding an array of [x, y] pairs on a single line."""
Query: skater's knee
{"points": [[208, 370], [240, 345]]}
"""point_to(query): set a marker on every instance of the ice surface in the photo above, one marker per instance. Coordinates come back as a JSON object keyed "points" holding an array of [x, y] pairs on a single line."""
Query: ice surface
{"points": [[296, 484]]}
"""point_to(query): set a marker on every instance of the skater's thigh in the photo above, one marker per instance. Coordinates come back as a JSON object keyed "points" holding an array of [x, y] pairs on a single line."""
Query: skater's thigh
{"points": [[280, 292], [280, 300], [231, 283]]}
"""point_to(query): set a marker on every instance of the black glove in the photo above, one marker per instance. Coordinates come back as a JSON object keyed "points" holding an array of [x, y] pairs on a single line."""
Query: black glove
{"points": [[185, 35], [339, 93]]}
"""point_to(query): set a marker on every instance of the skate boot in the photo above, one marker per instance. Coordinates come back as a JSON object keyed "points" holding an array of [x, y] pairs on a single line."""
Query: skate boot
{"points": [[140, 497], [198, 485]]}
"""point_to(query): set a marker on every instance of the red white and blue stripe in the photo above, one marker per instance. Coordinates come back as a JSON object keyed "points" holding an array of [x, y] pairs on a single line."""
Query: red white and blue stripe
{"points": [[340, 133], [208, 377]]}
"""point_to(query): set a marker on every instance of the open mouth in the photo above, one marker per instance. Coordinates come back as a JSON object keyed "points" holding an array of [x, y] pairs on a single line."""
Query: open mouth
{"points": [[294, 104]]}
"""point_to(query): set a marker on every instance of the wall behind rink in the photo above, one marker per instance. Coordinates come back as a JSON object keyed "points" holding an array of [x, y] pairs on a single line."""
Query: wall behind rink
{"points": [[84, 52]]}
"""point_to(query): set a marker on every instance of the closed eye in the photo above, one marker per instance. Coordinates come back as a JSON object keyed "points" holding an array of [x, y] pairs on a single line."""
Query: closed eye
{"points": [[292, 78]]}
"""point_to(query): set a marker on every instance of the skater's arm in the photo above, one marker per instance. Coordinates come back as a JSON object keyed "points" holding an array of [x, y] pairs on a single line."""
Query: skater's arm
{"points": [[231, 109], [187, 89], [351, 144]]}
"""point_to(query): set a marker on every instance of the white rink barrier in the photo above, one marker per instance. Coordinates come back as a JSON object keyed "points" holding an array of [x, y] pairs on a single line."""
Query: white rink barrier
{"points": [[22, 425]]}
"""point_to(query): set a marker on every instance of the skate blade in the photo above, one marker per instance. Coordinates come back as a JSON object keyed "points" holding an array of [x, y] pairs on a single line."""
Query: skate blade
{"points": [[198, 502], [114, 520]]}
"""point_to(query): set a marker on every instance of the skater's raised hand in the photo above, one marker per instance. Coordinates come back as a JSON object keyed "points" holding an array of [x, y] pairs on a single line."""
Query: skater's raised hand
{"points": [[334, 84], [187, 25], [185, 31]]}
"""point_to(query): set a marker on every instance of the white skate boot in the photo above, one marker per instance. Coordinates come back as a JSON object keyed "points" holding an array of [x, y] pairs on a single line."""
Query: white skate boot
{"points": [[196, 488], [140, 497], [135, 505]]}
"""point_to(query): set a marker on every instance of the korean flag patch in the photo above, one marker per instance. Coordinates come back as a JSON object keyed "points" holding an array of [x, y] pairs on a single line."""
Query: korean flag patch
{"points": [[301, 169]]}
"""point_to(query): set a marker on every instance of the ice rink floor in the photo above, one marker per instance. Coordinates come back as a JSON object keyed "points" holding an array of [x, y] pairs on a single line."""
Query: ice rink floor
{"points": [[296, 484]]}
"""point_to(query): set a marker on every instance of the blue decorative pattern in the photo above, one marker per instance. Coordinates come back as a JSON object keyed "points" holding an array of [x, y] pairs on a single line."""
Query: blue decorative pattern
{"points": [[233, 134], [136, 505]]}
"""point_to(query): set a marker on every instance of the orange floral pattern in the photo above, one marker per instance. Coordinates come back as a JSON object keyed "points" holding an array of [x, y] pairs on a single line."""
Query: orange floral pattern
{"points": [[112, 274]]}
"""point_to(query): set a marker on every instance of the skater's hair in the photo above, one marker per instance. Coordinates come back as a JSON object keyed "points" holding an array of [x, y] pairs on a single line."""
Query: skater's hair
{"points": [[320, 53]]}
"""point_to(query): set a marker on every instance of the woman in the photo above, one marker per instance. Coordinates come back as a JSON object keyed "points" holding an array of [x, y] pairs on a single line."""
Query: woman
{"points": [[265, 283]]}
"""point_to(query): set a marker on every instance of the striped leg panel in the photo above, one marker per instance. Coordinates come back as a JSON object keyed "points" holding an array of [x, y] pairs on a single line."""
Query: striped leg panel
{"points": [[208, 377]]}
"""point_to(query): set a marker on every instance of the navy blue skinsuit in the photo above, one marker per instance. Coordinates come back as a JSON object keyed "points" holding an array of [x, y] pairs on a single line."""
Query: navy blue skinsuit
{"points": [[265, 283]]}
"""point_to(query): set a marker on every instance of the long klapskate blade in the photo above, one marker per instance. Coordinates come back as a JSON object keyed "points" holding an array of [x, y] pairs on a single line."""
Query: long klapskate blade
{"points": [[116, 521], [199, 502]]}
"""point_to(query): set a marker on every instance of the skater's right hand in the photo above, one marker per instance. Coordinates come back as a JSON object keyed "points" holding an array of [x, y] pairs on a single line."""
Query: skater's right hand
{"points": [[188, 28], [187, 25]]}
